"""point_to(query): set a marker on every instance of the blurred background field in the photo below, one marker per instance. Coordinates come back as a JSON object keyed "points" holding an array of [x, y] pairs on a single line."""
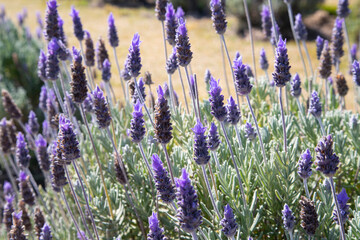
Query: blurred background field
{"points": [[138, 16]]}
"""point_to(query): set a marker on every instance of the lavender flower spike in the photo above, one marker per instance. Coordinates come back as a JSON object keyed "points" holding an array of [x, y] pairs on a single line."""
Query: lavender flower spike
{"points": [[201, 151], [22, 151], [319, 46], [51, 20], [106, 71], [250, 132], [156, 233], [8, 190], [78, 28], [42, 153], [46, 232], [160, 9], [353, 52], [229, 222], [299, 28], [162, 181], [326, 160], [101, 108], [266, 23], [264, 64], [62, 36], [213, 138], [304, 168], [216, 99], [41, 70], [171, 24], [218, 16], [337, 40], [281, 74], [342, 199], [315, 105], [180, 14], [296, 86], [242, 81], [233, 112], [33, 123], [67, 142], [188, 212], [288, 218], [112, 32], [133, 64], [356, 72], [52, 61], [137, 129], [183, 47], [343, 9], [26, 190], [172, 63]]}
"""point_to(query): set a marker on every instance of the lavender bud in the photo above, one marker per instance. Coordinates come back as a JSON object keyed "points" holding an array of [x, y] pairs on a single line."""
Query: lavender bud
{"points": [[106, 71], [58, 178], [163, 183], [8, 211], [319, 46], [337, 40], [42, 66], [25, 216], [162, 119], [295, 86], [213, 138], [288, 218], [62, 36], [135, 95], [304, 168], [89, 50], [88, 103], [325, 61], [51, 21], [201, 151], [125, 73], [188, 211], [17, 230], [356, 73], [341, 84], [78, 82], [46, 233], [171, 24], [52, 62], [233, 112], [134, 65], [9, 105], [242, 82], [299, 28], [42, 153], [281, 74], [249, 71], [43, 98], [155, 233], [343, 9], [78, 28], [229, 222], [342, 199], [326, 160], [308, 216], [315, 105], [112, 32], [101, 108], [22, 151], [216, 99], [266, 23], [120, 170], [5, 138], [218, 16], [207, 76], [33, 123], [160, 9], [250, 131], [101, 53], [26, 190], [147, 79], [67, 142], [51, 106], [183, 46], [172, 63], [264, 64], [137, 129], [39, 220], [8, 190]]}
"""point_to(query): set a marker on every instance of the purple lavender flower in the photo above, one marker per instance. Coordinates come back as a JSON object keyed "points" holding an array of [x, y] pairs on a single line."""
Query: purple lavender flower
{"points": [[155, 233], [42, 66], [356, 72], [106, 71], [213, 138], [237, 55], [101, 108], [218, 16], [112, 32], [233, 112], [353, 52], [319, 46], [281, 74], [137, 129], [264, 64], [21, 19], [81, 235], [89, 50], [171, 24], [304, 168], [337, 40], [46, 232], [2, 13], [135, 95], [125, 73], [62, 36], [180, 14], [188, 211], [22, 151], [172, 63], [343, 9], [163, 126], [288, 218], [51, 21], [39, 19], [295, 86], [33, 123], [273, 34], [5, 139], [207, 76], [27, 193], [88, 103], [315, 105], [78, 28], [242, 81], [201, 151], [67, 142], [42, 153], [160, 9], [266, 21], [183, 47], [325, 61], [326, 160], [52, 62], [8, 211], [216, 100], [133, 64], [8, 190], [342, 199], [299, 28], [250, 131], [162, 181], [229, 222]]}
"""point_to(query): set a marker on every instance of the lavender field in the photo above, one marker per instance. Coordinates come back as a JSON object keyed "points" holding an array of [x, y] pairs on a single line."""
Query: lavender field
{"points": [[107, 138]]}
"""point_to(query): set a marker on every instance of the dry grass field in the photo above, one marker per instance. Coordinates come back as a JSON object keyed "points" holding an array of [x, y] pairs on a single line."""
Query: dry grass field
{"points": [[205, 42]]}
